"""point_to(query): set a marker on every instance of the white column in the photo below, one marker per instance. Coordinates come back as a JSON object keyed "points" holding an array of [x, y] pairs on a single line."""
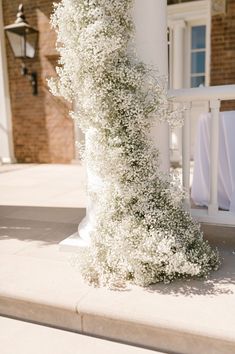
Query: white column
{"points": [[150, 18], [6, 141], [79, 138], [178, 64]]}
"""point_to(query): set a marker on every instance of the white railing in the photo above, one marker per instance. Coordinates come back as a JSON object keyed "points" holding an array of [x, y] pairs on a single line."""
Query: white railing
{"points": [[214, 95]]}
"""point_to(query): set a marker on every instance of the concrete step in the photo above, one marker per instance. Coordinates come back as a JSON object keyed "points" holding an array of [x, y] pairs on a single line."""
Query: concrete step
{"points": [[27, 338], [38, 284], [184, 317]]}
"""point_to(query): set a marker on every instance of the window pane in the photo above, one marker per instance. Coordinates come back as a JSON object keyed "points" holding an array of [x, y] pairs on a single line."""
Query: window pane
{"points": [[198, 37], [197, 81], [198, 62]]}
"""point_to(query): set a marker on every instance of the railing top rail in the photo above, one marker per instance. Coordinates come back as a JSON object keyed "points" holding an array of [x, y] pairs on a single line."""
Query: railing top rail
{"points": [[224, 92]]}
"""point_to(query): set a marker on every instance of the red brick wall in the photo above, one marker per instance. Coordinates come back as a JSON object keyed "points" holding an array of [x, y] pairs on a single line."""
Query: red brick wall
{"points": [[42, 130], [223, 50]]}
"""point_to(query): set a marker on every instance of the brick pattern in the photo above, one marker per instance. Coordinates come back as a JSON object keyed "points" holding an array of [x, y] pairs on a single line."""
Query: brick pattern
{"points": [[42, 129], [223, 50]]}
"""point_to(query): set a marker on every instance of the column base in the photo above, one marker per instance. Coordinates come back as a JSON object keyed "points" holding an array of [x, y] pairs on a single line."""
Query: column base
{"points": [[81, 238], [72, 243], [7, 160]]}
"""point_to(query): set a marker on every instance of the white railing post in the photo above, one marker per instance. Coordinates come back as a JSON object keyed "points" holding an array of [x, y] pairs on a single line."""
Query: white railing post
{"points": [[214, 156], [186, 154]]}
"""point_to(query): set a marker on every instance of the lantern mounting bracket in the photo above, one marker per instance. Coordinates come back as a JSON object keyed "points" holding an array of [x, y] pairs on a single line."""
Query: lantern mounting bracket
{"points": [[32, 77]]}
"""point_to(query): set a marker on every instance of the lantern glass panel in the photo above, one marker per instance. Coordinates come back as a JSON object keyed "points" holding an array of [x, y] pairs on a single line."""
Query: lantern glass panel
{"points": [[17, 43], [31, 43]]}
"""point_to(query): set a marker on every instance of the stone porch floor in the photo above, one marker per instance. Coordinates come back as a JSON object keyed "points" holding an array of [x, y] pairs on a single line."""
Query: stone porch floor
{"points": [[43, 185], [38, 284]]}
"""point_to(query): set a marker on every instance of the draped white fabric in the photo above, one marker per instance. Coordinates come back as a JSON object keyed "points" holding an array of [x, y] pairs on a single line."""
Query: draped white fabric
{"points": [[226, 173]]}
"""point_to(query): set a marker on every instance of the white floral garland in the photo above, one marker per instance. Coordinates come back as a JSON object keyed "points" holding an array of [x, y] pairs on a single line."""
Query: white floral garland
{"points": [[141, 232]]}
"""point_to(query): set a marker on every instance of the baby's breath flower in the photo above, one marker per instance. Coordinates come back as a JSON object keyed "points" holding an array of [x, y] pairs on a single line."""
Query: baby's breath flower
{"points": [[140, 231]]}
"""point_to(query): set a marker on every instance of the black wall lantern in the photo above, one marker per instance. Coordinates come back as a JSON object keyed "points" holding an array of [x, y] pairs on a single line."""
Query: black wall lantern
{"points": [[23, 41]]}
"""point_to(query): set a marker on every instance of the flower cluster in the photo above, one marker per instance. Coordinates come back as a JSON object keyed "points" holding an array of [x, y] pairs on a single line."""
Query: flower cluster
{"points": [[140, 231]]}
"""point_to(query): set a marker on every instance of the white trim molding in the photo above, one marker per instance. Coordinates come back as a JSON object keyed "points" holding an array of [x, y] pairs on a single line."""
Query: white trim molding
{"points": [[192, 10], [6, 137]]}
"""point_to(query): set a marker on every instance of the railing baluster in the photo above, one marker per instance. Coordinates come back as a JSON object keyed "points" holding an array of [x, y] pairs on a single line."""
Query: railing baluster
{"points": [[214, 156], [186, 154]]}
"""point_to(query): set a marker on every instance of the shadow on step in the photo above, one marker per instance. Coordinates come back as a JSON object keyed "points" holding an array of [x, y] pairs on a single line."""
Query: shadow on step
{"points": [[47, 224]]}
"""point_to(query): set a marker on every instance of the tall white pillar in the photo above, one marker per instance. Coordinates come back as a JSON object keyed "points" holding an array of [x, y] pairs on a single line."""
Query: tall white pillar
{"points": [[6, 140], [178, 65], [150, 18], [79, 138]]}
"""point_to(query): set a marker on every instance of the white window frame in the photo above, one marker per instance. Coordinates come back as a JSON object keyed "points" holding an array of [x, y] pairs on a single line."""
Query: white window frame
{"points": [[189, 51], [192, 13]]}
